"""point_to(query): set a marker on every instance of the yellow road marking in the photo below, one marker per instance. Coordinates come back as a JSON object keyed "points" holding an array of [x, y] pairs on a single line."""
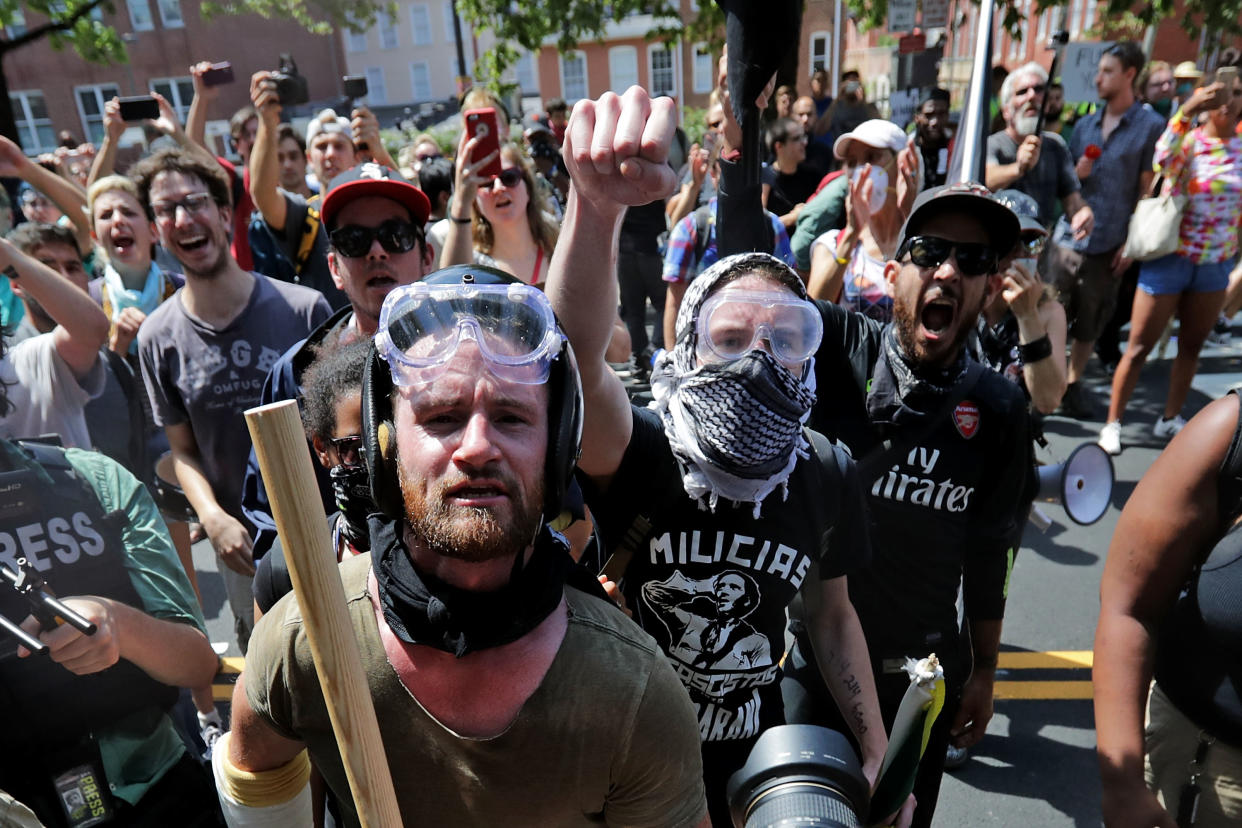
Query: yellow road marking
{"points": [[1042, 690], [1055, 659], [1051, 660]]}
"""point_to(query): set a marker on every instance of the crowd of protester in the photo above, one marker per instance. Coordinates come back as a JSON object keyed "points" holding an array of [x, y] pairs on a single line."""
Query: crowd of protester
{"points": [[144, 310]]}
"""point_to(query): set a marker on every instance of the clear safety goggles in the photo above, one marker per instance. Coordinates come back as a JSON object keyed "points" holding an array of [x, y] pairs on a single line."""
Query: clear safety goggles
{"points": [[732, 323], [421, 326]]}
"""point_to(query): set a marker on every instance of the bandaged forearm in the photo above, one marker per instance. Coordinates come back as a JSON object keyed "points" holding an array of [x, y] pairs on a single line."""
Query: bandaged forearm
{"points": [[264, 799]]}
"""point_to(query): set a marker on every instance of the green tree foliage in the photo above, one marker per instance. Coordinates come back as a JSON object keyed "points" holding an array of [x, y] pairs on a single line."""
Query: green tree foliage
{"points": [[76, 23], [1216, 16]]}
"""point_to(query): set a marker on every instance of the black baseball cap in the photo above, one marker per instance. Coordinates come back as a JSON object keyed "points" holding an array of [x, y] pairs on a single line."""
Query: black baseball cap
{"points": [[971, 199], [371, 179]]}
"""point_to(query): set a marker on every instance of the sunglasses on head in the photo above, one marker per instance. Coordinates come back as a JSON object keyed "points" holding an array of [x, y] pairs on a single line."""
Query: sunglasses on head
{"points": [[509, 177], [973, 259], [354, 241]]}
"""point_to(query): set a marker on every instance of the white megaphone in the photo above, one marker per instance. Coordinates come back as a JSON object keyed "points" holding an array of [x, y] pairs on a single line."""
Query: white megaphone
{"points": [[1083, 484]]}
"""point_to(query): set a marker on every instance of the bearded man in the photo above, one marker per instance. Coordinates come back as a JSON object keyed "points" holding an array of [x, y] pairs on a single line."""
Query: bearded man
{"points": [[945, 454], [1038, 165], [505, 697]]}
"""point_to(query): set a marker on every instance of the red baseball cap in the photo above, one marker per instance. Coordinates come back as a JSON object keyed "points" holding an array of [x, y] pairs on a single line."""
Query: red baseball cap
{"points": [[371, 179]]}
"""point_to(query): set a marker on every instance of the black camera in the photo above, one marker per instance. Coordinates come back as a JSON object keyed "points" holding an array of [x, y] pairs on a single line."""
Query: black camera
{"points": [[291, 88], [799, 774]]}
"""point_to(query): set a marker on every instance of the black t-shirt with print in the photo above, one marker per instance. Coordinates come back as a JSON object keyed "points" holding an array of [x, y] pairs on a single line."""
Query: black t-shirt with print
{"points": [[948, 501], [712, 588]]}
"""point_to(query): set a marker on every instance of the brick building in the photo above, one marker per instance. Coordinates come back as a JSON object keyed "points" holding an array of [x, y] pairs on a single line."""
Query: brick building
{"points": [[624, 57], [54, 90]]}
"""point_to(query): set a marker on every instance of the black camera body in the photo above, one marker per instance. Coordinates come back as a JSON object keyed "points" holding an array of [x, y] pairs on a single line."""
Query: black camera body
{"points": [[803, 773], [291, 87]]}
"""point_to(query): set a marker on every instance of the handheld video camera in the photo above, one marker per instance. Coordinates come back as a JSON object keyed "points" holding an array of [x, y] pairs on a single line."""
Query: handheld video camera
{"points": [[291, 87]]}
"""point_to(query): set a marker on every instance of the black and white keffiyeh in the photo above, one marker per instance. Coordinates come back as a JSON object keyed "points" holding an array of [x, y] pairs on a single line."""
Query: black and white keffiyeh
{"points": [[735, 427]]}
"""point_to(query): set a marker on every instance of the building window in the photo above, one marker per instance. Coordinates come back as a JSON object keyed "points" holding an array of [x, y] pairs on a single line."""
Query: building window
{"points": [[355, 41], [17, 25], [178, 92], [819, 51], [1043, 26], [420, 25], [704, 68], [448, 24], [622, 68], [34, 127], [663, 71], [140, 15], [170, 14], [524, 74], [1075, 21], [420, 81], [377, 92], [387, 31], [1090, 21], [91, 106], [573, 77]]}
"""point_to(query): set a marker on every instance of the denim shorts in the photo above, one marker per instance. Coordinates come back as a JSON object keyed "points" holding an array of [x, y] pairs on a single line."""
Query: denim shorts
{"points": [[1177, 274]]}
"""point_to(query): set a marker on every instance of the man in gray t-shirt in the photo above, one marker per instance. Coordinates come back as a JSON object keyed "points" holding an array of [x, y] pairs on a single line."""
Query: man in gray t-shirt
{"points": [[206, 351], [1040, 167]]}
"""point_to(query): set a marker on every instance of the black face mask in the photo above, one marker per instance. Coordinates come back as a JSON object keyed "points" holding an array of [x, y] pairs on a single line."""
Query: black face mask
{"points": [[422, 609], [352, 492]]}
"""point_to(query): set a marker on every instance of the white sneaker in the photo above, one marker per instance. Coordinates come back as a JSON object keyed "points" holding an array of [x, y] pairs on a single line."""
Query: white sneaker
{"points": [[1110, 438], [1168, 428]]}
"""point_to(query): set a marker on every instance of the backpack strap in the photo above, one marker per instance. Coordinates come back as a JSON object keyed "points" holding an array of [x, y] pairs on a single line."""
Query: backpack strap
{"points": [[310, 230]]}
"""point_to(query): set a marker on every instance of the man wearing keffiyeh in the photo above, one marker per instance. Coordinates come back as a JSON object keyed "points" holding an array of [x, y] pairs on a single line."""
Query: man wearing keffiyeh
{"points": [[715, 497]]}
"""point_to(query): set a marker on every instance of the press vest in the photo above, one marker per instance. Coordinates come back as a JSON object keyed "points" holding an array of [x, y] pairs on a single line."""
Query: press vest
{"points": [[53, 519]]}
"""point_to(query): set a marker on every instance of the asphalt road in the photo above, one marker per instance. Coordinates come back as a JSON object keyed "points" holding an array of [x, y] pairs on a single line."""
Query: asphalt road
{"points": [[1036, 767]]}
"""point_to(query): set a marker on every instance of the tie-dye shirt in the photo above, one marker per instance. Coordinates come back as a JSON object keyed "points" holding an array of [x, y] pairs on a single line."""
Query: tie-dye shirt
{"points": [[1209, 171]]}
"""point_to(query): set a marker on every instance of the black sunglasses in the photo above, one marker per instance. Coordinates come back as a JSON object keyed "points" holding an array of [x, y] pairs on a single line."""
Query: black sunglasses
{"points": [[973, 259], [348, 449], [510, 177], [395, 236]]}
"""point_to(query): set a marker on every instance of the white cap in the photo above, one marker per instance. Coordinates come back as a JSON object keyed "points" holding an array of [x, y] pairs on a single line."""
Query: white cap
{"points": [[327, 121], [876, 133]]}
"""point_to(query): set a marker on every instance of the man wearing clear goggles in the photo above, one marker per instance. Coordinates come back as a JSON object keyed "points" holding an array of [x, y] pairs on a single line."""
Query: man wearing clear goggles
{"points": [[717, 506], [506, 696]]}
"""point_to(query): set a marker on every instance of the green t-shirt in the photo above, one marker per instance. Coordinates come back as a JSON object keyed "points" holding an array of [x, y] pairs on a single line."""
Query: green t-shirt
{"points": [[822, 213], [608, 738], [139, 749]]}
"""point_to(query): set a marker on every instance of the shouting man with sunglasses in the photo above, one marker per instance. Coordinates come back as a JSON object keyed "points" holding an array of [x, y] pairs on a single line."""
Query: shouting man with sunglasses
{"points": [[374, 220], [944, 452]]}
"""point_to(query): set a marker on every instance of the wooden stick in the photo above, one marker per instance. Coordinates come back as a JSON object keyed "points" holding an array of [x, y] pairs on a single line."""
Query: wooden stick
{"points": [[280, 444]]}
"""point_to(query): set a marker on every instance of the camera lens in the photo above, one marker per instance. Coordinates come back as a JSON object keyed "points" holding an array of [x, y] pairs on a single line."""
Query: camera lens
{"points": [[799, 775]]}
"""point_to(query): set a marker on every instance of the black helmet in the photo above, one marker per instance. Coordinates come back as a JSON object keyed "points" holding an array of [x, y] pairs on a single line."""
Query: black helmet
{"points": [[564, 412]]}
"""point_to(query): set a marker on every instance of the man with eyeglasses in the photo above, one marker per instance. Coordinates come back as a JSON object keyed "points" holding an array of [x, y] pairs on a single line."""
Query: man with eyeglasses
{"points": [[374, 221], [790, 180], [206, 352], [944, 450], [1038, 165]]}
